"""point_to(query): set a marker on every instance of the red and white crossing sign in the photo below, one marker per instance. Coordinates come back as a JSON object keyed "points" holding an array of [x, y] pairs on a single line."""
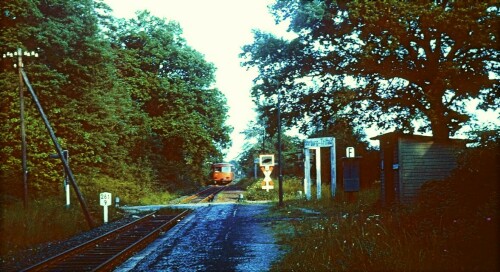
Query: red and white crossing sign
{"points": [[267, 185]]}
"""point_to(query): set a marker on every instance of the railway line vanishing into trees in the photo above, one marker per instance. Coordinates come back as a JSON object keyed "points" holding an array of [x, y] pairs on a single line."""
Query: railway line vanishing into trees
{"points": [[107, 251]]}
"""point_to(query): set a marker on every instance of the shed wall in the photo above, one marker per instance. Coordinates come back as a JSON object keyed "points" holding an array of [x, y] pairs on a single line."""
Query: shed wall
{"points": [[422, 161]]}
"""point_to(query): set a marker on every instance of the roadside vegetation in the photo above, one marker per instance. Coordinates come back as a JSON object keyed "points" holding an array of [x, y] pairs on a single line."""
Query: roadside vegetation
{"points": [[392, 50], [452, 226], [120, 96], [47, 219]]}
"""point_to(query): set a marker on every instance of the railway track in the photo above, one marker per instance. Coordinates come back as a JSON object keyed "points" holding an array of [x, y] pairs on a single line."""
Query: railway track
{"points": [[109, 250], [205, 195]]}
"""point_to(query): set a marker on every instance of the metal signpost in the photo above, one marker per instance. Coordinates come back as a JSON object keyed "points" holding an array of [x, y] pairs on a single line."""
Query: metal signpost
{"points": [[255, 162], [351, 174], [317, 144], [105, 201]]}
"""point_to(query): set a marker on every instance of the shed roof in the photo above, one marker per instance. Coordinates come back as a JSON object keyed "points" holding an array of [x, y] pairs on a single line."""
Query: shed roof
{"points": [[399, 134]]}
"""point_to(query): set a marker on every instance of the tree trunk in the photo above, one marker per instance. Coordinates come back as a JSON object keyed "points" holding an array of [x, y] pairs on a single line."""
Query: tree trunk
{"points": [[439, 121], [440, 130]]}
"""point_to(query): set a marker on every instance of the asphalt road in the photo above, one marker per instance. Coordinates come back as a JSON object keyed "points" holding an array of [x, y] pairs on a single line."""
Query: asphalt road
{"points": [[214, 237]]}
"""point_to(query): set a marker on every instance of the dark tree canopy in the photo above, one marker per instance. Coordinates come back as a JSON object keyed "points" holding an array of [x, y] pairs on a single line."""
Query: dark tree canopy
{"points": [[129, 99], [391, 63], [172, 84]]}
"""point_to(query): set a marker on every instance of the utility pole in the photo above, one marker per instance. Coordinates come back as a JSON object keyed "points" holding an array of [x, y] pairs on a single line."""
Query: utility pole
{"points": [[23, 130], [19, 65], [25, 81], [280, 159]]}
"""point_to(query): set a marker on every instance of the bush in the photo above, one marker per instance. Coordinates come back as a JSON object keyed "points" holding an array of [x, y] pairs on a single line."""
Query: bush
{"points": [[254, 191]]}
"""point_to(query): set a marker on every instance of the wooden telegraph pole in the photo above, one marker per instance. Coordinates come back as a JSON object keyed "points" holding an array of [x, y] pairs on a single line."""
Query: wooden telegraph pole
{"points": [[23, 80], [23, 130], [19, 65]]}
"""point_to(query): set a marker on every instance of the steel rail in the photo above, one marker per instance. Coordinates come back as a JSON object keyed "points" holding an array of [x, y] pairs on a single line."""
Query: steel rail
{"points": [[204, 195], [143, 242], [113, 255], [109, 260], [211, 196]]}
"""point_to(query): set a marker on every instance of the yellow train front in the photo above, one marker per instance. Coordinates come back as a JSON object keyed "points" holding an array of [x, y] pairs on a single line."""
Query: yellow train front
{"points": [[222, 173]]}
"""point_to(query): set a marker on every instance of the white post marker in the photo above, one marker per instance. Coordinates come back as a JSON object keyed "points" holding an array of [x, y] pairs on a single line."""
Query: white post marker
{"points": [[316, 144], [105, 201], [318, 172], [66, 188]]}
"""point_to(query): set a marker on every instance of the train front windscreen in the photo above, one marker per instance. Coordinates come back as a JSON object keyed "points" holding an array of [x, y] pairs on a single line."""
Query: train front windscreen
{"points": [[222, 174]]}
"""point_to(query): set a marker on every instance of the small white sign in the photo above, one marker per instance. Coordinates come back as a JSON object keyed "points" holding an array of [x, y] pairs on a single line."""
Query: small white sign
{"points": [[105, 199], [266, 160], [349, 152]]}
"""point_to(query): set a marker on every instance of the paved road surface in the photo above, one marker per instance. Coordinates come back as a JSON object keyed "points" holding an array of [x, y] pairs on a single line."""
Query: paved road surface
{"points": [[214, 237]]}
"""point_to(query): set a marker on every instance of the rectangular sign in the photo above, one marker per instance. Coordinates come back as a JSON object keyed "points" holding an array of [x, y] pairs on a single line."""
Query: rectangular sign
{"points": [[105, 199], [266, 160], [319, 142], [349, 152]]}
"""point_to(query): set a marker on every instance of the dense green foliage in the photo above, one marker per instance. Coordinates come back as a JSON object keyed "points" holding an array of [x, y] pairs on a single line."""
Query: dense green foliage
{"points": [[129, 99], [292, 151], [403, 65]]}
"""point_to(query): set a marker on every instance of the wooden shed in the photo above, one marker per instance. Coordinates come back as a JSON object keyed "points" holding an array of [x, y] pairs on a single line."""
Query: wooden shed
{"points": [[408, 161]]}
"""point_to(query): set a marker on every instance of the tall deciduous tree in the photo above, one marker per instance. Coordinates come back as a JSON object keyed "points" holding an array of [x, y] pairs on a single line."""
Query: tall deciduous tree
{"points": [[173, 85], [410, 61], [73, 80], [125, 98]]}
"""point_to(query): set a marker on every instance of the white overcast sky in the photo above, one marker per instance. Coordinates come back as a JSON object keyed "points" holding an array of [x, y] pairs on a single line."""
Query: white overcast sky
{"points": [[217, 29]]}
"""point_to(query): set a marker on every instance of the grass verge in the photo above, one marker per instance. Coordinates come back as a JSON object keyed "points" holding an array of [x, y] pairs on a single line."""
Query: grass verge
{"points": [[360, 235], [47, 219]]}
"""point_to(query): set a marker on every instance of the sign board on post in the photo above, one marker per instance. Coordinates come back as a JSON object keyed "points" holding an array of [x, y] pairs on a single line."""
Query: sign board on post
{"points": [[105, 201], [317, 144], [266, 160], [65, 181], [266, 165], [349, 152]]}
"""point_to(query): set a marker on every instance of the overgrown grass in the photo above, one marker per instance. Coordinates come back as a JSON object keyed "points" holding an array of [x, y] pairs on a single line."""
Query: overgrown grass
{"points": [[130, 192], [47, 219], [360, 236], [43, 221], [451, 226], [442, 231]]}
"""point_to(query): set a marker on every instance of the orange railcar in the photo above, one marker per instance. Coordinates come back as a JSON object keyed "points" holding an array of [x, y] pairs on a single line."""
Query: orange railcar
{"points": [[222, 173]]}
